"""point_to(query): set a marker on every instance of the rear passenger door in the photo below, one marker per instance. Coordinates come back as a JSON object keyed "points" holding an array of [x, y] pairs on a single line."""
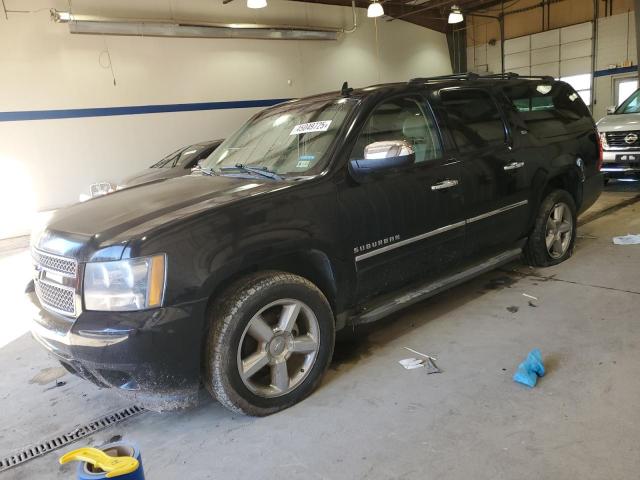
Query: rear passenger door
{"points": [[404, 225], [494, 178]]}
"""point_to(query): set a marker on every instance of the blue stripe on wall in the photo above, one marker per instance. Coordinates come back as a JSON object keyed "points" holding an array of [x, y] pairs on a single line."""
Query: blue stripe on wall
{"points": [[134, 110], [615, 71]]}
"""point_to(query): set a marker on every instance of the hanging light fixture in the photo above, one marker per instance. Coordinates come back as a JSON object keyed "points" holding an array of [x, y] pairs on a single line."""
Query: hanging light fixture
{"points": [[455, 16], [256, 3], [375, 10]]}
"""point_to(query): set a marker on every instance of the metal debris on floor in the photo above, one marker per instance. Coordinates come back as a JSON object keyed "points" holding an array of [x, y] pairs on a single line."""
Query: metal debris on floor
{"points": [[411, 363], [430, 362], [627, 240], [530, 296], [529, 370]]}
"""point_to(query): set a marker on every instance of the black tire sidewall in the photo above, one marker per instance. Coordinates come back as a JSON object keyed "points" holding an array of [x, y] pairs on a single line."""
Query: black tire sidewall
{"points": [[229, 342]]}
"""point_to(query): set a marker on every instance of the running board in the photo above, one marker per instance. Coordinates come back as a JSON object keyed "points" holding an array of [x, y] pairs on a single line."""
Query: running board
{"points": [[399, 300]]}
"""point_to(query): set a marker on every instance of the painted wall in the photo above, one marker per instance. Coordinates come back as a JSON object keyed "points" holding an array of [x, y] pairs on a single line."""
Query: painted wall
{"points": [[616, 46], [48, 163]]}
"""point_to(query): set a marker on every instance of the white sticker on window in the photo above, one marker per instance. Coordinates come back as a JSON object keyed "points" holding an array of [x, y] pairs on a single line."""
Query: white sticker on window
{"points": [[573, 97], [303, 163], [311, 127]]}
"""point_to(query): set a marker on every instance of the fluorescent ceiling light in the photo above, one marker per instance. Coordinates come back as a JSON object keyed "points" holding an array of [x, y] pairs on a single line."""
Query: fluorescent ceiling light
{"points": [[90, 24], [455, 16], [375, 10], [256, 3]]}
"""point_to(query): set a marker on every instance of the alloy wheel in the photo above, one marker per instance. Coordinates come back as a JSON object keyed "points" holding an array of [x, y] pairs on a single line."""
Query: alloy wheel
{"points": [[559, 230], [278, 348]]}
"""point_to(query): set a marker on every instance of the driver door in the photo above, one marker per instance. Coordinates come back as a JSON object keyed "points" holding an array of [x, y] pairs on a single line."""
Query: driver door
{"points": [[405, 224]]}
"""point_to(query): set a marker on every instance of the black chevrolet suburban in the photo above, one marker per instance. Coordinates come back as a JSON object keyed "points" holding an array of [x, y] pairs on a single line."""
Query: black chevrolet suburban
{"points": [[318, 214]]}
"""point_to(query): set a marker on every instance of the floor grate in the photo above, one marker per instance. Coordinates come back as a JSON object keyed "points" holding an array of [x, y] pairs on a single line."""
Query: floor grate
{"points": [[36, 450]]}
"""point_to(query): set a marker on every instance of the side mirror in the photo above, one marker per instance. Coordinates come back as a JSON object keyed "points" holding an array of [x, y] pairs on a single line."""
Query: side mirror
{"points": [[611, 110], [381, 156]]}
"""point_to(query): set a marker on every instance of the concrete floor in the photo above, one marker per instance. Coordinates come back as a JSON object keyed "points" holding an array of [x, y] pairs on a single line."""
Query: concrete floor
{"points": [[371, 419]]}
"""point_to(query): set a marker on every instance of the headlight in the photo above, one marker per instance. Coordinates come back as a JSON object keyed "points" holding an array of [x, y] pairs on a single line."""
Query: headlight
{"points": [[125, 285]]}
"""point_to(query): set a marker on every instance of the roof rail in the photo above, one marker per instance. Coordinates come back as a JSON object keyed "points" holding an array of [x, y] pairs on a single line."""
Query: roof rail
{"points": [[453, 76], [475, 76], [509, 75]]}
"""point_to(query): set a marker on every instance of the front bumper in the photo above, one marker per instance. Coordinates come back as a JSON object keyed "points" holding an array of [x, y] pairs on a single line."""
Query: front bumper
{"points": [[153, 355], [615, 166]]}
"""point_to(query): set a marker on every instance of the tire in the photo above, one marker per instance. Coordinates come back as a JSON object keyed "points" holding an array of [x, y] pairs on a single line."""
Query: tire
{"points": [[537, 251], [268, 314]]}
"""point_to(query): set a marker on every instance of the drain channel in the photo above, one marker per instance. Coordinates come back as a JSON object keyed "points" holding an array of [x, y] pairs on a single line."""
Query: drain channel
{"points": [[34, 451]]}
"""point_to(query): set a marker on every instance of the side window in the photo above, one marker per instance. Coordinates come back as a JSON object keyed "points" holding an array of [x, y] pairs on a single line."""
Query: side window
{"points": [[400, 119], [549, 110], [474, 118]]}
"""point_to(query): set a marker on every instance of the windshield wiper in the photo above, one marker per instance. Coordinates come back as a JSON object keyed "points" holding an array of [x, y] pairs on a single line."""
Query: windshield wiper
{"points": [[255, 169], [204, 171]]}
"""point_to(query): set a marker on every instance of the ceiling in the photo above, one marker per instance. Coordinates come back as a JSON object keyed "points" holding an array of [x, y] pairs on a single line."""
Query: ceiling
{"points": [[426, 13]]}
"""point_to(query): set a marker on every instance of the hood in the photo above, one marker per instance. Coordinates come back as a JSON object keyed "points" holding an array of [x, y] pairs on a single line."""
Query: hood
{"points": [[621, 122], [100, 228], [152, 175]]}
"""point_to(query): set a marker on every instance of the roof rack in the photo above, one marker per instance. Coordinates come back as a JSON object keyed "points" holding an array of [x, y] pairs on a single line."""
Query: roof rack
{"points": [[453, 76], [475, 76], [509, 75]]}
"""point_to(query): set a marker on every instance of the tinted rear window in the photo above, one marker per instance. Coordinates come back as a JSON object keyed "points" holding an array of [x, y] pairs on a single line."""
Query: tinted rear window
{"points": [[549, 110], [474, 118]]}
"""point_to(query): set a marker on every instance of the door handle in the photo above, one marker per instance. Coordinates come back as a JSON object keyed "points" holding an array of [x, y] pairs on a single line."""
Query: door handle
{"points": [[513, 165], [444, 184]]}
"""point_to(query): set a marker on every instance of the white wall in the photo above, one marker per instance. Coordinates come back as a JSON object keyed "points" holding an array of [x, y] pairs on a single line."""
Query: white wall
{"points": [[616, 46], [484, 58], [48, 163]]}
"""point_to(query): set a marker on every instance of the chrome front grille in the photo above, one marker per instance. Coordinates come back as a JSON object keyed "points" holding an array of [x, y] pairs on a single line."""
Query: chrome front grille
{"points": [[56, 281], [626, 139], [59, 298], [66, 266]]}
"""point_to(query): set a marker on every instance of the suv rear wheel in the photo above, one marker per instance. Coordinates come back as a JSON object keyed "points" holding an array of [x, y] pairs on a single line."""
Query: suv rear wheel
{"points": [[554, 232], [270, 342]]}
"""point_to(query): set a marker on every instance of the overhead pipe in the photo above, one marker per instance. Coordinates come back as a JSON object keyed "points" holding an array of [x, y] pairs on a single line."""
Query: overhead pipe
{"points": [[88, 24]]}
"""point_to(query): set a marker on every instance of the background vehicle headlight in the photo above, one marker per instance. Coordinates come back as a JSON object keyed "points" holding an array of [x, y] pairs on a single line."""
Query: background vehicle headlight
{"points": [[125, 285]]}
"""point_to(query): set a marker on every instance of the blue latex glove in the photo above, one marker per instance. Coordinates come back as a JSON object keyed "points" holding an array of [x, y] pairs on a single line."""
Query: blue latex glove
{"points": [[529, 370]]}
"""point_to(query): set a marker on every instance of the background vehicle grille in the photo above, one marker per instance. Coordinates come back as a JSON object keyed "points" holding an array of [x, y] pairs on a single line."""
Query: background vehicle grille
{"points": [[617, 139], [56, 297], [66, 266]]}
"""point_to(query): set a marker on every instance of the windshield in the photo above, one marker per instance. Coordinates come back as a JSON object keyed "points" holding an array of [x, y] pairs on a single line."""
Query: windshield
{"points": [[179, 157], [293, 138], [631, 104]]}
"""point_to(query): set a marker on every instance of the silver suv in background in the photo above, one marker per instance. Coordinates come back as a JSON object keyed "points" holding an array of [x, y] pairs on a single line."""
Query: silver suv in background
{"points": [[620, 139]]}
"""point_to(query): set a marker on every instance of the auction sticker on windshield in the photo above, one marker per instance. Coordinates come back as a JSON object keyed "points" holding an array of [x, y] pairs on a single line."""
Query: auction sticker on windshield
{"points": [[311, 127]]}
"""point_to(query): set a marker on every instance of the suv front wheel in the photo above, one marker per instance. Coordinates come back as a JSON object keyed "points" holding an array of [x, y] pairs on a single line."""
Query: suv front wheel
{"points": [[554, 232], [270, 341]]}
